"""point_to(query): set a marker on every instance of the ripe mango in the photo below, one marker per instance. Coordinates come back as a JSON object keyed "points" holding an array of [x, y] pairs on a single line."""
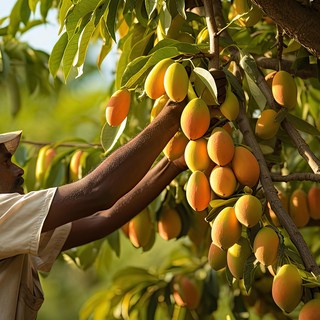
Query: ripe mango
{"points": [[154, 83], [196, 155], [158, 105], [176, 82], [217, 257], [313, 202], [118, 107], [237, 256], [76, 164], [298, 208], [284, 89], [195, 119], [248, 209], [222, 181], [186, 292], [310, 310], [44, 160], [272, 215], [220, 147], [226, 229], [176, 146], [245, 167], [230, 107], [169, 223], [254, 12], [198, 192], [266, 246], [267, 126], [287, 288], [140, 229]]}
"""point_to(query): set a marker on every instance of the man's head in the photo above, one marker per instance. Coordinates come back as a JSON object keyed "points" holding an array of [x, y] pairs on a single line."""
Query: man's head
{"points": [[10, 174]]}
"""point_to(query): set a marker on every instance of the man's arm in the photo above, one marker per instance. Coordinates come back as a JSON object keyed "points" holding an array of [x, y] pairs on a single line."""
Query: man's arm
{"points": [[105, 222], [117, 174]]}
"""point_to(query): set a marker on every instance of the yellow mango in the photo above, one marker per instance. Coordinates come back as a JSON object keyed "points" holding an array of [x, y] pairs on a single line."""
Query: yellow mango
{"points": [[154, 83], [176, 82]]}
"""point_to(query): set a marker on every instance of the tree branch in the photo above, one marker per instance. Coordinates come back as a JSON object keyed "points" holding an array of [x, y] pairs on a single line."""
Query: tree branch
{"points": [[298, 21], [213, 38], [298, 176], [272, 195]]}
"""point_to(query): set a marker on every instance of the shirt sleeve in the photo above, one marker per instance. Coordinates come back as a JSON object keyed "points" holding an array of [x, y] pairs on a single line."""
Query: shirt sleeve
{"points": [[21, 221]]}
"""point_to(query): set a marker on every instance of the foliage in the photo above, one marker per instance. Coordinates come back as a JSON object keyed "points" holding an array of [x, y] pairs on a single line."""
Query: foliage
{"points": [[145, 33]]}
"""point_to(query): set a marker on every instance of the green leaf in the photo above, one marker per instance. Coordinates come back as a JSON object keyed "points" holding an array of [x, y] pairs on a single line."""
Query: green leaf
{"points": [[79, 11], [218, 204], [110, 135], [302, 125], [57, 54], [141, 13], [136, 69], [180, 4], [182, 47], [33, 4], [84, 42], [44, 7], [151, 5], [114, 242], [65, 7], [206, 77], [111, 18], [70, 54], [139, 47], [25, 12], [123, 60], [15, 18], [249, 271]]}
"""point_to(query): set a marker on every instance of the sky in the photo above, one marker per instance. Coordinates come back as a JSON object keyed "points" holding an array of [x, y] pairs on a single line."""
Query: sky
{"points": [[37, 36]]}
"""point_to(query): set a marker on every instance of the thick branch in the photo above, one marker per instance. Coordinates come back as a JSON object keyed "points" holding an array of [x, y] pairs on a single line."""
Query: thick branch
{"points": [[309, 71], [299, 22], [272, 196], [213, 39]]}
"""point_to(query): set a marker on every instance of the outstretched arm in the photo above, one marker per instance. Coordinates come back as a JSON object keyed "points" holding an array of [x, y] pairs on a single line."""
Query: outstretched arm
{"points": [[117, 174], [105, 222]]}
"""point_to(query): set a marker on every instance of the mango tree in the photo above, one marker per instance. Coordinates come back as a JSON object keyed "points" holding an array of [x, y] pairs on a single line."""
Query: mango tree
{"points": [[246, 207]]}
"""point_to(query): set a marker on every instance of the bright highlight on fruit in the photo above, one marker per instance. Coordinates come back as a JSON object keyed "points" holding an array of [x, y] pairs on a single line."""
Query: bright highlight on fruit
{"points": [[195, 119], [284, 89], [176, 82], [287, 288], [154, 83], [267, 126]]}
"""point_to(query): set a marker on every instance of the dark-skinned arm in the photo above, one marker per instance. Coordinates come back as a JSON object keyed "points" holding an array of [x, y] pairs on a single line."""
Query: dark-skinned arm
{"points": [[105, 222], [117, 174]]}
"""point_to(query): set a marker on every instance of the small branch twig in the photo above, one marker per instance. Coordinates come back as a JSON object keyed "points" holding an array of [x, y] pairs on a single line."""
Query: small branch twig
{"points": [[298, 176], [213, 38], [68, 145]]}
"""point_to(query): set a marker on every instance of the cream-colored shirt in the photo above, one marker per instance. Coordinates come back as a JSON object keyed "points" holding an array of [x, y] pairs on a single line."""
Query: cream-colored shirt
{"points": [[24, 251]]}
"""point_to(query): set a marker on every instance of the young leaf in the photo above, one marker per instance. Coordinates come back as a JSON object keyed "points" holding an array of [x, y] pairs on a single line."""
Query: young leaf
{"points": [[111, 18], [57, 54], [110, 135], [206, 77], [302, 125]]}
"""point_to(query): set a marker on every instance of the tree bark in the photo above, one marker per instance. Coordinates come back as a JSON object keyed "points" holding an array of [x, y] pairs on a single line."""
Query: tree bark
{"points": [[300, 22]]}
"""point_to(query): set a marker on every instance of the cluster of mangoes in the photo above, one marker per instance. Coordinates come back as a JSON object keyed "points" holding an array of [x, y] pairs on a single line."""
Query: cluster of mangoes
{"points": [[301, 205]]}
